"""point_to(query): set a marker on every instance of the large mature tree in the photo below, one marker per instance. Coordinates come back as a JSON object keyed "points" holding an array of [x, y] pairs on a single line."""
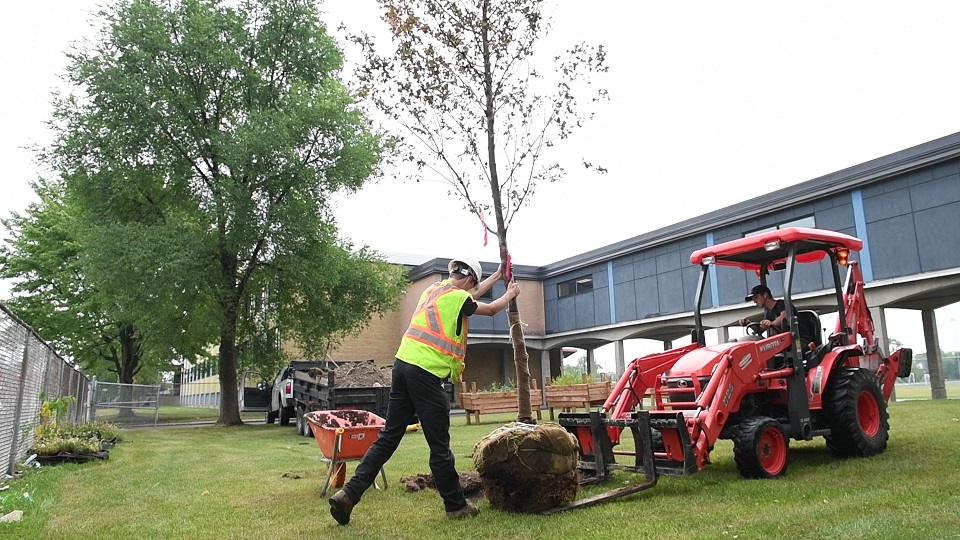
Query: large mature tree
{"points": [[476, 111], [203, 140]]}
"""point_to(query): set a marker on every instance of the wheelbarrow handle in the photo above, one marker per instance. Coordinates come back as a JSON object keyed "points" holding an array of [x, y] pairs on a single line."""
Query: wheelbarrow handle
{"points": [[339, 440]]}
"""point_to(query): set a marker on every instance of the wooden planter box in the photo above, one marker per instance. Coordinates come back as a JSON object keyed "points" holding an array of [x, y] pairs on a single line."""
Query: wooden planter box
{"points": [[496, 402], [571, 396]]}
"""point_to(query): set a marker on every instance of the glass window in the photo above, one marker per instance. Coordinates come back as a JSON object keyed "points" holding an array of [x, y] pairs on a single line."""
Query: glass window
{"points": [[575, 286]]}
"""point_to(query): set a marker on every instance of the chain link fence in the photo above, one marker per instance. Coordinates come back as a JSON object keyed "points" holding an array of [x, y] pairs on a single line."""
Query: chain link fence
{"points": [[125, 404], [29, 368]]}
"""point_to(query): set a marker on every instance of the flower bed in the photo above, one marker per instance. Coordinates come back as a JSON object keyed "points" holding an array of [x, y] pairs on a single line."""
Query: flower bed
{"points": [[571, 396], [476, 402], [74, 443]]}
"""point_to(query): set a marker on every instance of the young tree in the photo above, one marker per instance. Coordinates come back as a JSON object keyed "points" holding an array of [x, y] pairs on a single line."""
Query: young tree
{"points": [[203, 141], [476, 111]]}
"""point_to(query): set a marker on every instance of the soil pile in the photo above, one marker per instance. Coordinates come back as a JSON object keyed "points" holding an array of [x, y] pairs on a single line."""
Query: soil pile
{"points": [[355, 374], [528, 468]]}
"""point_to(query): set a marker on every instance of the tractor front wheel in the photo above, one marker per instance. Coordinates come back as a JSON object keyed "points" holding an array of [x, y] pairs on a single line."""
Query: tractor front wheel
{"points": [[856, 413], [760, 448]]}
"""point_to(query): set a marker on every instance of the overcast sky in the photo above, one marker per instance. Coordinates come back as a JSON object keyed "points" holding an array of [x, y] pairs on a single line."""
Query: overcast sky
{"points": [[711, 103]]}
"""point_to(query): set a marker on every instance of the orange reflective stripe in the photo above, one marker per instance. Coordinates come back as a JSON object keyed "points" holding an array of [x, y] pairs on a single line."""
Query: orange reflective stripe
{"points": [[436, 341]]}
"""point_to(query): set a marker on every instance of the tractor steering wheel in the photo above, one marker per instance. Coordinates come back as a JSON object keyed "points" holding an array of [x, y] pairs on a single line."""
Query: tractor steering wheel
{"points": [[754, 329]]}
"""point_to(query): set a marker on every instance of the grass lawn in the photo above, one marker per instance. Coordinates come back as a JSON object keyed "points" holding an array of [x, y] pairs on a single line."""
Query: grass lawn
{"points": [[922, 391], [264, 481], [173, 414]]}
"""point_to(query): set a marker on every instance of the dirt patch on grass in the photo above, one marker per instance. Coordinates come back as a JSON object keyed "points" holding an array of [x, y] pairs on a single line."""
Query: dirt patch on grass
{"points": [[469, 482]]}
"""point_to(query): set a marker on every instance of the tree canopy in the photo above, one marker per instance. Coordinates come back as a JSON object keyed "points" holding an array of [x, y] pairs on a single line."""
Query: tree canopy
{"points": [[202, 143]]}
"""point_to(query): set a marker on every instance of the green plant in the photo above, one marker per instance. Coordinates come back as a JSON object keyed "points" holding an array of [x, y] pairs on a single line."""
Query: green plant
{"points": [[508, 386], [75, 438], [566, 379], [51, 412]]}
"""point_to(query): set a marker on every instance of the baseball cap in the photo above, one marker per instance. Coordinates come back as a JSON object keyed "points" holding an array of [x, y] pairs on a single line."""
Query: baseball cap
{"points": [[759, 289]]}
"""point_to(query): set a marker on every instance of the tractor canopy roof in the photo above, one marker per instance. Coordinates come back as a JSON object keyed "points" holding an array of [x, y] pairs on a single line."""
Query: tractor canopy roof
{"points": [[773, 247]]}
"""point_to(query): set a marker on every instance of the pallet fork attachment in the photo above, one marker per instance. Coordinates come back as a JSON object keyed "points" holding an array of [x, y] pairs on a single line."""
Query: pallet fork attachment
{"points": [[597, 456]]}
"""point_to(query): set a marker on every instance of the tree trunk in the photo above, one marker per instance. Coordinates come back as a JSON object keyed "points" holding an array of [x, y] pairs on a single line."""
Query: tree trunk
{"points": [[229, 402], [520, 357], [129, 366]]}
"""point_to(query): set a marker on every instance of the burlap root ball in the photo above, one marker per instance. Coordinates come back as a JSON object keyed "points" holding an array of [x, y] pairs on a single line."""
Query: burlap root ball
{"points": [[528, 468]]}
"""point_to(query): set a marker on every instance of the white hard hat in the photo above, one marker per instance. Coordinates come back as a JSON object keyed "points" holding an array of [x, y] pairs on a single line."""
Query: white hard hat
{"points": [[469, 262]]}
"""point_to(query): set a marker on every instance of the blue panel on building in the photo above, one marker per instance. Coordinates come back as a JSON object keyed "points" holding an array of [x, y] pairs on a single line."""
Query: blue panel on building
{"points": [[937, 192], [938, 241], [567, 308], [894, 248], [648, 301], [601, 306], [670, 287], [887, 205], [585, 310], [626, 296]]}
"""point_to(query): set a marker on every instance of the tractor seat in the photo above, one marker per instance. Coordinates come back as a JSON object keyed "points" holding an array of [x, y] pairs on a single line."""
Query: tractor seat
{"points": [[813, 358]]}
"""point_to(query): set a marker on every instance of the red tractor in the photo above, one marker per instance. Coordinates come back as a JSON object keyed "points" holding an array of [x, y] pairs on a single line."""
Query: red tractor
{"points": [[759, 391]]}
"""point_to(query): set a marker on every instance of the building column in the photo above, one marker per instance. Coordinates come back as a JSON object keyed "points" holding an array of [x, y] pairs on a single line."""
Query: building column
{"points": [[880, 334], [880, 329], [620, 364], [938, 388], [545, 373], [723, 334], [591, 362]]}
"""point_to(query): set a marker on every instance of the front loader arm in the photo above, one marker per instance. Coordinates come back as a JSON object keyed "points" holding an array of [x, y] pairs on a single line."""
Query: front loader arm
{"points": [[641, 375]]}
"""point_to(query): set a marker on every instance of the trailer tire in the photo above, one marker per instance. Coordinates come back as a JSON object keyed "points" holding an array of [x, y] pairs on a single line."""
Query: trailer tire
{"points": [[285, 415], [760, 448], [303, 426], [856, 414]]}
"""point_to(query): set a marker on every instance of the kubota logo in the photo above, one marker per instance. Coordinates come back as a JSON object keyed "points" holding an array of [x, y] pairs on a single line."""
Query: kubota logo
{"points": [[770, 346]]}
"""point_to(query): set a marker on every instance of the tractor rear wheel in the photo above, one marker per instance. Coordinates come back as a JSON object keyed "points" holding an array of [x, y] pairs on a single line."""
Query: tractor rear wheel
{"points": [[760, 448], [856, 414]]}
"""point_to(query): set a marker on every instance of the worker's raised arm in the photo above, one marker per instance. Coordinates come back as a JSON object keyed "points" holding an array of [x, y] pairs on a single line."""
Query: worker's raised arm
{"points": [[487, 283], [498, 305]]}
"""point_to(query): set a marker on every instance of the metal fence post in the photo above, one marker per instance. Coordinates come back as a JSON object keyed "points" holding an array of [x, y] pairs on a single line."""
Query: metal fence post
{"points": [[18, 408], [91, 404]]}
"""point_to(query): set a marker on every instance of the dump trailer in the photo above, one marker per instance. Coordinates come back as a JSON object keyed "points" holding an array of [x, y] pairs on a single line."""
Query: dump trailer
{"points": [[760, 391], [304, 386]]}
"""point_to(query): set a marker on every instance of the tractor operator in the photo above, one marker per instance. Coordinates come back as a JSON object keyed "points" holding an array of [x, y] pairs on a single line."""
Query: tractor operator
{"points": [[432, 349], [774, 311]]}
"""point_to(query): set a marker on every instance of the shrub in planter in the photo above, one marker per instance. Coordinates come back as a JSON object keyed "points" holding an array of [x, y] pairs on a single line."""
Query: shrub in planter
{"points": [[75, 442]]}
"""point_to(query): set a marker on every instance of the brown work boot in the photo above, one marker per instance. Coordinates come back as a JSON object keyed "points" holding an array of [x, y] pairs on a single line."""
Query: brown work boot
{"points": [[467, 510], [340, 507]]}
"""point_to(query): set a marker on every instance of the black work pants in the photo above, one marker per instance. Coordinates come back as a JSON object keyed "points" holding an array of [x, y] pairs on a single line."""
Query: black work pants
{"points": [[414, 391]]}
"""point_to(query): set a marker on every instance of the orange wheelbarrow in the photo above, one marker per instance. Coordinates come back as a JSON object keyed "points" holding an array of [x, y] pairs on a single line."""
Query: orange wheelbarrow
{"points": [[344, 435]]}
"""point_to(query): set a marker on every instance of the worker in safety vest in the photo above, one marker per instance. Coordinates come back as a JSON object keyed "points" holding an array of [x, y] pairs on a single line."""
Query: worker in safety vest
{"points": [[432, 349]]}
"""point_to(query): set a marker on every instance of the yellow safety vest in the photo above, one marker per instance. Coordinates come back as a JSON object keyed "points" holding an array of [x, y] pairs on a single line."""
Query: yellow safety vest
{"points": [[431, 340]]}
